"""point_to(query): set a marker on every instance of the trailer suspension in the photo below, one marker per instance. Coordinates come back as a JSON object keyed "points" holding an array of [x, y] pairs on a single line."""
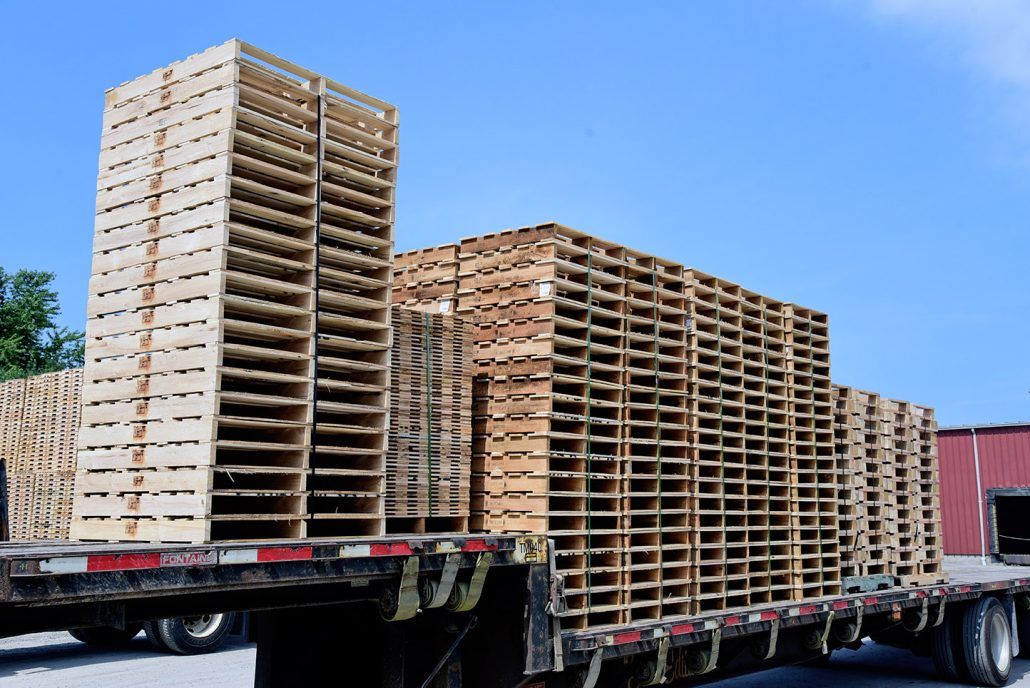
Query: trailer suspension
{"points": [[402, 604], [654, 674], [465, 596], [924, 616], [435, 594], [856, 634], [701, 662]]}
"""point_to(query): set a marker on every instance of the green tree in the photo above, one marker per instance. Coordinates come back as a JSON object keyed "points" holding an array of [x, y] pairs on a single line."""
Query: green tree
{"points": [[30, 341]]}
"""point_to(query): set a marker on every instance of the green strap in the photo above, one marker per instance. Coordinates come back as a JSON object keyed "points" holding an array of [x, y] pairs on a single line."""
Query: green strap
{"points": [[589, 429], [768, 453], [722, 451], [428, 371], [658, 441]]}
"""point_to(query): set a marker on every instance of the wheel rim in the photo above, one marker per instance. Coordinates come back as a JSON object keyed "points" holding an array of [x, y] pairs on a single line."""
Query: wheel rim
{"points": [[1001, 643], [202, 626]]}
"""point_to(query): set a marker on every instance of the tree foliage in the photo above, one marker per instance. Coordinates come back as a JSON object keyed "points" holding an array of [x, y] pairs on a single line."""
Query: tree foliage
{"points": [[30, 341]]}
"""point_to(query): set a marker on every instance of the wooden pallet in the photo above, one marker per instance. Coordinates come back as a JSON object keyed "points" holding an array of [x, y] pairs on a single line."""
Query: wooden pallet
{"points": [[39, 419], [641, 414], [242, 245], [429, 446], [891, 447]]}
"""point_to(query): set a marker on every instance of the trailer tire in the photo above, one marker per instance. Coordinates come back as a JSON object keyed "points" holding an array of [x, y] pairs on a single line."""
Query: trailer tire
{"points": [[106, 636], [946, 649], [194, 635], [987, 642], [154, 636]]}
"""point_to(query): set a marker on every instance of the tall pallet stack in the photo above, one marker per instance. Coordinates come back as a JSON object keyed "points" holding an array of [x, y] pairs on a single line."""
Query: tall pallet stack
{"points": [[39, 421], [671, 430], [740, 444], [927, 507], [813, 451], [429, 447], [889, 448], [242, 247]]}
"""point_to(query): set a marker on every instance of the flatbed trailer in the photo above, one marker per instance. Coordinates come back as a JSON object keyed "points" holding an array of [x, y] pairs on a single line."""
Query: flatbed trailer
{"points": [[474, 610]]}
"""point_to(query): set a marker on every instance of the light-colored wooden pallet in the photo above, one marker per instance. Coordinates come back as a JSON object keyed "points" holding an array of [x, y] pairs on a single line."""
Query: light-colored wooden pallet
{"points": [[226, 182], [39, 417]]}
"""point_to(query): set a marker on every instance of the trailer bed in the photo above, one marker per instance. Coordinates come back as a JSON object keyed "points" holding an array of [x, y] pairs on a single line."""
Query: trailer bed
{"points": [[62, 585]]}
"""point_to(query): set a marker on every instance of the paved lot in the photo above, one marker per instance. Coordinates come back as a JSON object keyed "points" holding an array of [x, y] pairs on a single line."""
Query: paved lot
{"points": [[52, 660]]}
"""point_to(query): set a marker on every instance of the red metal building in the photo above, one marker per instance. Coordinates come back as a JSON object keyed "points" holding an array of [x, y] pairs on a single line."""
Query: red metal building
{"points": [[981, 468]]}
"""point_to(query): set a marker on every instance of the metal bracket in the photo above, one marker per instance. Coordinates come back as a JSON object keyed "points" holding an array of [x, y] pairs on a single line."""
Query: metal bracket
{"points": [[940, 613], [468, 594], [406, 604], [660, 665], [924, 615], [826, 631], [1009, 602], [859, 612], [559, 652], [590, 679], [774, 636], [449, 574]]}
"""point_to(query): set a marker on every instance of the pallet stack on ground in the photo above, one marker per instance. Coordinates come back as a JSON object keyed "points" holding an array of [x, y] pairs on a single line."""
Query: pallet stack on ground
{"points": [[429, 446], [12, 401], [671, 430], [39, 421], [890, 447], [237, 194]]}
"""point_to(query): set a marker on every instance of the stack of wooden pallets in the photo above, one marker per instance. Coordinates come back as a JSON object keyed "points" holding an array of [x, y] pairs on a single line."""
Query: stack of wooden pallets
{"points": [[927, 506], [429, 448], [39, 421], [242, 247], [672, 431], [813, 450], [887, 458], [427, 279]]}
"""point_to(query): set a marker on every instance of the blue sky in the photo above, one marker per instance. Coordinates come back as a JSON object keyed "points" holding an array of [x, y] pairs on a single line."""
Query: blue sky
{"points": [[868, 158]]}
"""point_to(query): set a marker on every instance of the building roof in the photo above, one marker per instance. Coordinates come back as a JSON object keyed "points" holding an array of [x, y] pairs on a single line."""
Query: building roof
{"points": [[987, 426]]}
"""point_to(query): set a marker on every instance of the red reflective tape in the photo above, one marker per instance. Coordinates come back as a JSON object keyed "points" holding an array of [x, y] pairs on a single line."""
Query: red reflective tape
{"points": [[123, 562], [731, 620], [872, 600], [769, 616], [478, 546], [808, 609], [681, 628], [283, 553], [628, 637], [389, 549], [840, 604]]}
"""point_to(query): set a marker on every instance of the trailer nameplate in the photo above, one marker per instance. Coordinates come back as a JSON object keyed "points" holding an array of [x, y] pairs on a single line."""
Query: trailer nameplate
{"points": [[530, 550], [208, 558]]}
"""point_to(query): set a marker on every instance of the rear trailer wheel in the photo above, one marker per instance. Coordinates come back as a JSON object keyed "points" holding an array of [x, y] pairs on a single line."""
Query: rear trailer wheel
{"points": [[154, 635], [987, 642], [946, 648], [106, 636], [194, 635]]}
